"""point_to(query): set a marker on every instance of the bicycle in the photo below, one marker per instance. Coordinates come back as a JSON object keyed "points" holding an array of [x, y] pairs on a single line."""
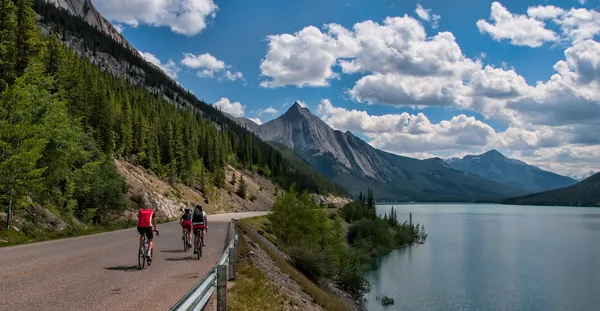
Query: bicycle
{"points": [[198, 241], [186, 242], [143, 252]]}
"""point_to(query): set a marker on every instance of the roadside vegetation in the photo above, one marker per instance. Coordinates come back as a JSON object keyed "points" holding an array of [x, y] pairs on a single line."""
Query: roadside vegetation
{"points": [[319, 246], [252, 289], [63, 121]]}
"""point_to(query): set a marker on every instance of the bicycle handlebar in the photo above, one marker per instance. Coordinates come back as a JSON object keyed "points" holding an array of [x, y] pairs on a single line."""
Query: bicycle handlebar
{"points": [[157, 233]]}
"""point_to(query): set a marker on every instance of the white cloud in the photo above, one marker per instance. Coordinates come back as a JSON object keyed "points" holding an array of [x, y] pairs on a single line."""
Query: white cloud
{"points": [[187, 17], [399, 64], [208, 65], [518, 29], [255, 120], [170, 68], [302, 104], [233, 108], [270, 110], [305, 58], [416, 136], [425, 15], [119, 27], [234, 75], [582, 2]]}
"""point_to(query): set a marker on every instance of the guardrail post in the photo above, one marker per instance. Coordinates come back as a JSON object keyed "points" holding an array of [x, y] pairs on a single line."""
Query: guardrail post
{"points": [[221, 288], [232, 263]]}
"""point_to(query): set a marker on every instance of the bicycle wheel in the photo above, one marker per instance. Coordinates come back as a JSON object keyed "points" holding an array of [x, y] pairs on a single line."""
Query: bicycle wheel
{"points": [[185, 241], [198, 246], [141, 256]]}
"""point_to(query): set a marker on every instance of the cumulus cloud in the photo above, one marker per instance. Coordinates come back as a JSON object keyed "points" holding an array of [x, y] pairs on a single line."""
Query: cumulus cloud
{"points": [[187, 17], [518, 29], [208, 65], [399, 64], [233, 108], [170, 68], [425, 15]]}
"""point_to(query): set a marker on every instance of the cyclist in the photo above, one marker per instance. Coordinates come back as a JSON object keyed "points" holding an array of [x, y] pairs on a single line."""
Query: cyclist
{"points": [[146, 219], [186, 222], [199, 223]]}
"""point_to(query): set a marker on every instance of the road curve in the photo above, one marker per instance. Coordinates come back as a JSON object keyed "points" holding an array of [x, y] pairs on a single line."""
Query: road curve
{"points": [[99, 272]]}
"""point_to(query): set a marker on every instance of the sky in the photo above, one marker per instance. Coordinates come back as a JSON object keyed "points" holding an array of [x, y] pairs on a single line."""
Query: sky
{"points": [[417, 78]]}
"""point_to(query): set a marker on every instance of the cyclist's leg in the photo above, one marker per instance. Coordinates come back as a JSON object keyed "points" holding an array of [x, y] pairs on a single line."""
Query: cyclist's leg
{"points": [[203, 236], [141, 233], [150, 236], [189, 232]]}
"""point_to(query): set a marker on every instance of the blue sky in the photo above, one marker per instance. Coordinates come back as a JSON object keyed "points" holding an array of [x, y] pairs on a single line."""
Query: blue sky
{"points": [[453, 105]]}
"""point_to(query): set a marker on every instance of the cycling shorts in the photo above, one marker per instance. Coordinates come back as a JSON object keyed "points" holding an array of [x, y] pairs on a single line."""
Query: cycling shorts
{"points": [[187, 224], [198, 228], [147, 231]]}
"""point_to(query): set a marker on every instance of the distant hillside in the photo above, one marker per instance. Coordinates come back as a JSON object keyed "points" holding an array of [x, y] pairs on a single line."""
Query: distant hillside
{"points": [[584, 193], [493, 165], [356, 165]]}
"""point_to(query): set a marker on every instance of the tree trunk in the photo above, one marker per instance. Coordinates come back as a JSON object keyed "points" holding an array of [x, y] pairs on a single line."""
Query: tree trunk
{"points": [[9, 215]]}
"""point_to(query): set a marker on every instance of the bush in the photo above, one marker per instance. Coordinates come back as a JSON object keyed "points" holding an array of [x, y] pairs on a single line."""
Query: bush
{"points": [[351, 276], [313, 263]]}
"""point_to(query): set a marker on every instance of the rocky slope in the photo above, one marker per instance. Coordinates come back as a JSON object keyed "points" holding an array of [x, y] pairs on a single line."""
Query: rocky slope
{"points": [[354, 164], [85, 9], [493, 165]]}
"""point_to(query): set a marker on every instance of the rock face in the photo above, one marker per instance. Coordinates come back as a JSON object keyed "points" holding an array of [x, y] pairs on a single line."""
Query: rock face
{"points": [[495, 166], [356, 165], [86, 10]]}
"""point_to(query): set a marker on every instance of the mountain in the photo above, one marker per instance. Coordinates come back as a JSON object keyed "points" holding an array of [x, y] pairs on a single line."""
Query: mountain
{"points": [[85, 10], [356, 165], [112, 89], [580, 177], [584, 193], [493, 165]]}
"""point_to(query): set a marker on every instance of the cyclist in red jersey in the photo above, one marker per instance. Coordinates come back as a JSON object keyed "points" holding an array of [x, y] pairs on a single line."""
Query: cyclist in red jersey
{"points": [[186, 222], [146, 218]]}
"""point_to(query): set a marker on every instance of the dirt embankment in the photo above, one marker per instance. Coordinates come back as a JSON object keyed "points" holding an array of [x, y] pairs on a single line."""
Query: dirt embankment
{"points": [[169, 199]]}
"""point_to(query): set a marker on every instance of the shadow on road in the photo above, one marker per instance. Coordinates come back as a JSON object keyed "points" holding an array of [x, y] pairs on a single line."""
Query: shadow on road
{"points": [[123, 268], [173, 251], [181, 258]]}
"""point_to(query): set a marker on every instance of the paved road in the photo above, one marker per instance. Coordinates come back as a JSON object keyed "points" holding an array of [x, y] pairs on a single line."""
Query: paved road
{"points": [[99, 272]]}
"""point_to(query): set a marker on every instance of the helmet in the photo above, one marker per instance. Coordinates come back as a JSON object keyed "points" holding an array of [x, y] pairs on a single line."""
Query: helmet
{"points": [[187, 209], [198, 206]]}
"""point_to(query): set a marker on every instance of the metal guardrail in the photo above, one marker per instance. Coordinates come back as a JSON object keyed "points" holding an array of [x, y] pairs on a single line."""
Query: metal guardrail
{"points": [[197, 298]]}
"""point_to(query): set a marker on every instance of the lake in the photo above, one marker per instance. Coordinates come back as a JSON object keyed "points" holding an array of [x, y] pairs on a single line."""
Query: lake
{"points": [[493, 257]]}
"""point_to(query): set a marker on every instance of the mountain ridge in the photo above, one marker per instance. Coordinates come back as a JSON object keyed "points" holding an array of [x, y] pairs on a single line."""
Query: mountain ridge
{"points": [[356, 165], [494, 165], [86, 10]]}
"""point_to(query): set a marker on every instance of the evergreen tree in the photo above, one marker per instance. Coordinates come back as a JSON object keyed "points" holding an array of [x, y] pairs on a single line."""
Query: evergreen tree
{"points": [[242, 188]]}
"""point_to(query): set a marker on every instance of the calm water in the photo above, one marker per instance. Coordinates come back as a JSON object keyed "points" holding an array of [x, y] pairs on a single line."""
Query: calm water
{"points": [[494, 257]]}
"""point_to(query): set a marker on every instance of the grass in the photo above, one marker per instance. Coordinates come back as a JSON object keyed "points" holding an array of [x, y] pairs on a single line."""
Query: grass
{"points": [[321, 297], [262, 224], [253, 291]]}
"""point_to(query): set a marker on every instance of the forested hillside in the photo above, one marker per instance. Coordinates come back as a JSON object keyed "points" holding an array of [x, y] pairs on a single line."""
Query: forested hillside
{"points": [[584, 193], [63, 120]]}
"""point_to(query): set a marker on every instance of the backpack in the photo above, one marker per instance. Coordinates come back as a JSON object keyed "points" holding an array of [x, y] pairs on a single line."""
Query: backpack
{"points": [[198, 216]]}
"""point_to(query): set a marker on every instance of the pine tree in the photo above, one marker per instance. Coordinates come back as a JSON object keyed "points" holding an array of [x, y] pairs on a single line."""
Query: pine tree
{"points": [[8, 31], [242, 188]]}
